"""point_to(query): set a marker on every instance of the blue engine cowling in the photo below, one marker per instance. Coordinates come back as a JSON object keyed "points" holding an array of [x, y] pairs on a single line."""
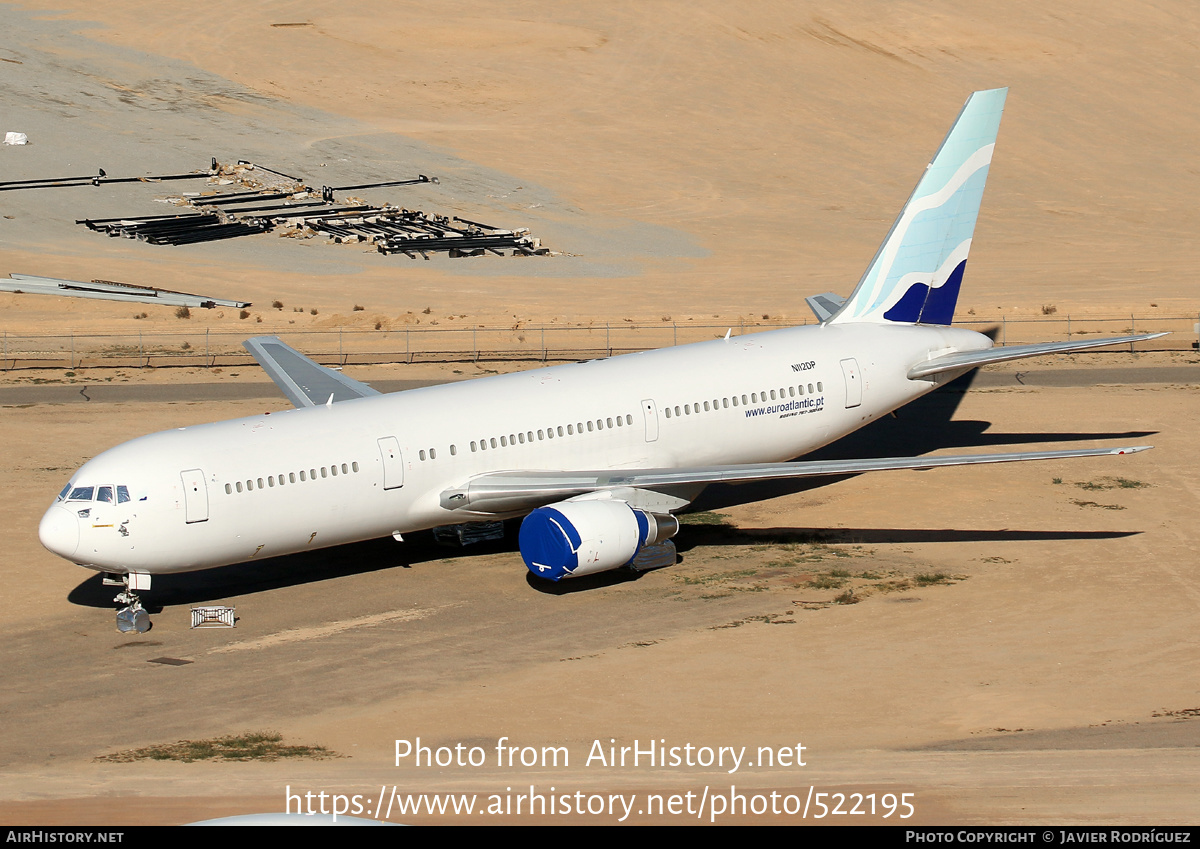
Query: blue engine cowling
{"points": [[575, 538]]}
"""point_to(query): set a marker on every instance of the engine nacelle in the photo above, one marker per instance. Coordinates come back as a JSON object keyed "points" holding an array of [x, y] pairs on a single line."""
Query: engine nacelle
{"points": [[574, 538]]}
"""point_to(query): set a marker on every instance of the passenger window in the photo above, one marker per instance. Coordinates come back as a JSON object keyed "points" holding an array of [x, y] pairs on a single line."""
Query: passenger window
{"points": [[504, 441], [493, 442], [810, 389], [354, 465], [628, 419], [239, 486], [432, 453], [453, 450], [589, 427], [303, 475], [229, 489], [292, 477], [323, 472], [270, 480], [819, 387], [521, 436], [334, 470]]}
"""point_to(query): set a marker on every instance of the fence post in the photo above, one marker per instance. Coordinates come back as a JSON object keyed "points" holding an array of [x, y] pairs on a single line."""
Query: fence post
{"points": [[1003, 330], [141, 357], [207, 361], [1068, 327], [674, 333], [607, 343], [543, 343], [72, 349], [1132, 329]]}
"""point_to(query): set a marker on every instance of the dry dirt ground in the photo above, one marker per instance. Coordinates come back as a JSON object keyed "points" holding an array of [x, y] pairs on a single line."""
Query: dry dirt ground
{"points": [[1022, 646]]}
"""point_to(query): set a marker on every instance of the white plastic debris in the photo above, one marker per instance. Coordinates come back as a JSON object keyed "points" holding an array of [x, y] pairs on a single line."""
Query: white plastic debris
{"points": [[16, 138]]}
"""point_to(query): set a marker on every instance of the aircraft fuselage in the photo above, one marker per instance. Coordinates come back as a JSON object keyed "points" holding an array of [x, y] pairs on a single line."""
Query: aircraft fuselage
{"points": [[289, 481]]}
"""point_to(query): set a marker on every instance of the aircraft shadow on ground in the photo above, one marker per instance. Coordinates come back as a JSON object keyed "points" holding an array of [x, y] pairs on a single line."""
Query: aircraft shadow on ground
{"points": [[240, 579], [923, 426]]}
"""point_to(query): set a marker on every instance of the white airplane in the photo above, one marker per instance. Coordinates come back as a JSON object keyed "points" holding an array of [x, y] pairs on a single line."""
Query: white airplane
{"points": [[597, 456]]}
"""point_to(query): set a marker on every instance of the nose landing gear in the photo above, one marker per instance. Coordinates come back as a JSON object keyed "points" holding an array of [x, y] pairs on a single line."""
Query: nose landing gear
{"points": [[131, 617]]}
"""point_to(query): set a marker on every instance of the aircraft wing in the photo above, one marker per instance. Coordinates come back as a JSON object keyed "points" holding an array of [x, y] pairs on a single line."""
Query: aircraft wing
{"points": [[970, 359], [304, 382], [503, 492]]}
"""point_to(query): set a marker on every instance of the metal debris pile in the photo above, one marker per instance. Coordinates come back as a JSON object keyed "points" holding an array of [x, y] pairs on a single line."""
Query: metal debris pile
{"points": [[276, 200]]}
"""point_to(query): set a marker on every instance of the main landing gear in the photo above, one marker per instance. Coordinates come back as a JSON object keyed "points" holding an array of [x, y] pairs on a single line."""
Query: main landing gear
{"points": [[131, 617]]}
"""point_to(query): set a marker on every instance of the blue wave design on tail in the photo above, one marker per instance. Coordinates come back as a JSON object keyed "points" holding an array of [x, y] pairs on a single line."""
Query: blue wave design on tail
{"points": [[917, 271]]}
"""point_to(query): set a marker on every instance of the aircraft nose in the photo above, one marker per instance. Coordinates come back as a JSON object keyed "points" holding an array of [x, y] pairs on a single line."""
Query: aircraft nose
{"points": [[59, 531]]}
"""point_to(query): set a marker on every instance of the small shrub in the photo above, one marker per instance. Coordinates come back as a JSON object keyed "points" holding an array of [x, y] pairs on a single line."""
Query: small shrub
{"points": [[427, 310], [313, 311], [277, 305], [378, 325], [183, 312], [244, 314], [359, 308], [186, 346], [1049, 309]]}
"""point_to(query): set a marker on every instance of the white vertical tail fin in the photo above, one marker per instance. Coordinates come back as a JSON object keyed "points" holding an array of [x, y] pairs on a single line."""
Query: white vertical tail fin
{"points": [[916, 273]]}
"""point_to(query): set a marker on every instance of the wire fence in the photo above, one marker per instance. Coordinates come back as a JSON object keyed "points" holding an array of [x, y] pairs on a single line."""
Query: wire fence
{"points": [[205, 347]]}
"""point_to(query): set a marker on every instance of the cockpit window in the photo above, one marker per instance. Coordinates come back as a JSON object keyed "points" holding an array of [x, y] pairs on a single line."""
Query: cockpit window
{"points": [[82, 493], [105, 494], [64, 492], [122, 494]]}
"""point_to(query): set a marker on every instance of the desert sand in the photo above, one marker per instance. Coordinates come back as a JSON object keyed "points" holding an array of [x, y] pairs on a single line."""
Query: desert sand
{"points": [[693, 161]]}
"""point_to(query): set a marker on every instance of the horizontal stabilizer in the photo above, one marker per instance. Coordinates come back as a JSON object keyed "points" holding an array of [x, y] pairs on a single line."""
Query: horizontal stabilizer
{"points": [[304, 382], [504, 492], [824, 306], [970, 359]]}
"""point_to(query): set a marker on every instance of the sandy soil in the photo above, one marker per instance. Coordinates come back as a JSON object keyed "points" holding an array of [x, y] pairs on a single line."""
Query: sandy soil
{"points": [[685, 160]]}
